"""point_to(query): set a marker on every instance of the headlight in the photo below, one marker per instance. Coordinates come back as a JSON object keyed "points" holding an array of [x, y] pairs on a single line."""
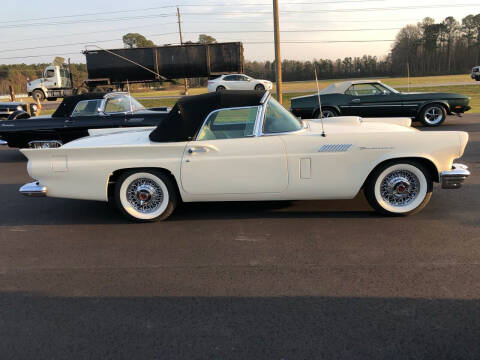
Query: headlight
{"points": [[19, 107], [34, 107]]}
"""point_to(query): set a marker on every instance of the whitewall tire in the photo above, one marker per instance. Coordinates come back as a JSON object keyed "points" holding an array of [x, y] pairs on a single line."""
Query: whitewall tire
{"points": [[399, 188], [145, 195]]}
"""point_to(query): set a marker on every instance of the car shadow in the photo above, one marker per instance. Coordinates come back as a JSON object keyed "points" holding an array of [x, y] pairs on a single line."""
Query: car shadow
{"points": [[8, 155], [296, 327], [18, 210]]}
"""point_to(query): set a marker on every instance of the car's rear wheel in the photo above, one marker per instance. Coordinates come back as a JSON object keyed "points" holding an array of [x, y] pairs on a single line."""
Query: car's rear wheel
{"points": [[399, 188], [145, 195], [326, 113], [220, 88], [259, 87], [433, 115]]}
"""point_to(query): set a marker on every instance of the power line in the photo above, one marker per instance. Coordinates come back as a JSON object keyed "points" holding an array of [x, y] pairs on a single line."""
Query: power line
{"points": [[200, 32], [87, 21], [82, 33], [245, 42], [337, 10], [187, 5]]}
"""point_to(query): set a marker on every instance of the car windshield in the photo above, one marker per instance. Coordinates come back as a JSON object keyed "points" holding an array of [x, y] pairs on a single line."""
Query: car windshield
{"points": [[123, 103], [390, 89], [279, 120]]}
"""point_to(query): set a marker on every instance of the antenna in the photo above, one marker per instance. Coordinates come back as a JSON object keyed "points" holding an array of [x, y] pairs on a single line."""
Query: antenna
{"points": [[129, 97], [319, 102]]}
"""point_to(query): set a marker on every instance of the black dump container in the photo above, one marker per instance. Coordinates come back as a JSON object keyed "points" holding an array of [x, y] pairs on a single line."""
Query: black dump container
{"points": [[171, 62]]}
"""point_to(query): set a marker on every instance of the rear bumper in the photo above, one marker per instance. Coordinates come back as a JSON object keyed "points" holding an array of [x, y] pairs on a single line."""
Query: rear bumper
{"points": [[33, 189], [453, 179]]}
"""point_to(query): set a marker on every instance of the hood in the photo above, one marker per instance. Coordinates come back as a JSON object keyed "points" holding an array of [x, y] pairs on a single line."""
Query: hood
{"points": [[120, 138], [355, 124], [31, 85]]}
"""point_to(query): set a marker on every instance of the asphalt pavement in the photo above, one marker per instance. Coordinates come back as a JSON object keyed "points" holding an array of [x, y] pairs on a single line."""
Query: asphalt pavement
{"points": [[254, 280]]}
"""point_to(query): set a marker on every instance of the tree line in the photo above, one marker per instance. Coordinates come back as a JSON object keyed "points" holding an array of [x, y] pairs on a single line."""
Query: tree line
{"points": [[426, 48]]}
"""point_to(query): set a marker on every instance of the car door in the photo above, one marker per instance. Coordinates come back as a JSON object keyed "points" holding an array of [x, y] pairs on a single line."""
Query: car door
{"points": [[227, 159], [230, 82], [244, 82], [371, 100], [88, 115]]}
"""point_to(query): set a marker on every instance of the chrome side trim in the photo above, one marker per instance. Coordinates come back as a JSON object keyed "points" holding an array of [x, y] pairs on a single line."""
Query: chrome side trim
{"points": [[453, 179], [44, 144], [33, 189], [265, 97], [335, 147]]}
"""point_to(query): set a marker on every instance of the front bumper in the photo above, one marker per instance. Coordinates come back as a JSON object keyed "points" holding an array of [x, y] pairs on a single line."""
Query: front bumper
{"points": [[33, 189], [453, 179], [3, 143]]}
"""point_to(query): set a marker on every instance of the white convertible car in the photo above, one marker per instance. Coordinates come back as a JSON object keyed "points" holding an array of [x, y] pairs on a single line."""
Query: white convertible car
{"points": [[235, 145]]}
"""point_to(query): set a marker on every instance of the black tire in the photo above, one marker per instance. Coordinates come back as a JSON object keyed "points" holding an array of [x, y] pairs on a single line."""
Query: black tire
{"points": [[154, 180], [433, 115], [81, 90], [18, 114], [259, 87], [331, 113], [413, 187], [220, 88], [38, 94], [477, 78]]}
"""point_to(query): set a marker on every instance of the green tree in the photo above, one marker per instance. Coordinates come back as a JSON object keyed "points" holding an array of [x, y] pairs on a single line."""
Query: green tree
{"points": [[206, 39], [133, 40]]}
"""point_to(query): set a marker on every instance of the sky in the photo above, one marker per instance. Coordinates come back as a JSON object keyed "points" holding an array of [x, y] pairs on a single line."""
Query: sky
{"points": [[37, 31]]}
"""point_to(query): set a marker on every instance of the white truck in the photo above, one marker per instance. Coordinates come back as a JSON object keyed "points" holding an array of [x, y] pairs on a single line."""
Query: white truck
{"points": [[475, 74], [55, 83]]}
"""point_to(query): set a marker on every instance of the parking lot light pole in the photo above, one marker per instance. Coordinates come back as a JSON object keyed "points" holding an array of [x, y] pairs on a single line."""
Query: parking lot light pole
{"points": [[278, 59]]}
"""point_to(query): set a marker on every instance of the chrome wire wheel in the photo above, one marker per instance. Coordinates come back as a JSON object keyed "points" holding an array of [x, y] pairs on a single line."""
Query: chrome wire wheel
{"points": [[145, 195], [400, 187], [433, 115]]}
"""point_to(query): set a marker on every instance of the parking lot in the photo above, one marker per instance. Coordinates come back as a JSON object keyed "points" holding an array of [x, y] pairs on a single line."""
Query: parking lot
{"points": [[275, 280]]}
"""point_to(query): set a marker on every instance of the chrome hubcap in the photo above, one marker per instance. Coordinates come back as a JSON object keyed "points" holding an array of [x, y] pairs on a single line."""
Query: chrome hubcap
{"points": [[145, 195], [400, 187], [327, 113], [433, 115]]}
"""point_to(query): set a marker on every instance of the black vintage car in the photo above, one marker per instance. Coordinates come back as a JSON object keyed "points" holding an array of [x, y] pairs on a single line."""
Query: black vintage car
{"points": [[12, 110], [75, 116], [374, 99]]}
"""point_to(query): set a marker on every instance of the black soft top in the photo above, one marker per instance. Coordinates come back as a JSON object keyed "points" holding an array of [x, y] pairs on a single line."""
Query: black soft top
{"points": [[187, 116], [69, 103]]}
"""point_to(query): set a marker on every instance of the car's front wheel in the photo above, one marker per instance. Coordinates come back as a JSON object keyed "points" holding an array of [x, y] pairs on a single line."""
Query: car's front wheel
{"points": [[399, 188], [38, 95], [433, 115], [145, 195]]}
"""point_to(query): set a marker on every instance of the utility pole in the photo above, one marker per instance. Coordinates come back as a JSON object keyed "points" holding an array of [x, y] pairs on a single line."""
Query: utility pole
{"points": [[278, 59], [185, 81]]}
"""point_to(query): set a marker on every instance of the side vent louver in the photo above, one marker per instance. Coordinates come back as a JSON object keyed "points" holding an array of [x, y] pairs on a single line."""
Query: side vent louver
{"points": [[335, 147]]}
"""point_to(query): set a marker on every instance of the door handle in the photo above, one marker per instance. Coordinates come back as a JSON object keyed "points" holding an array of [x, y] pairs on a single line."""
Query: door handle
{"points": [[356, 100], [196, 150], [202, 149]]}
